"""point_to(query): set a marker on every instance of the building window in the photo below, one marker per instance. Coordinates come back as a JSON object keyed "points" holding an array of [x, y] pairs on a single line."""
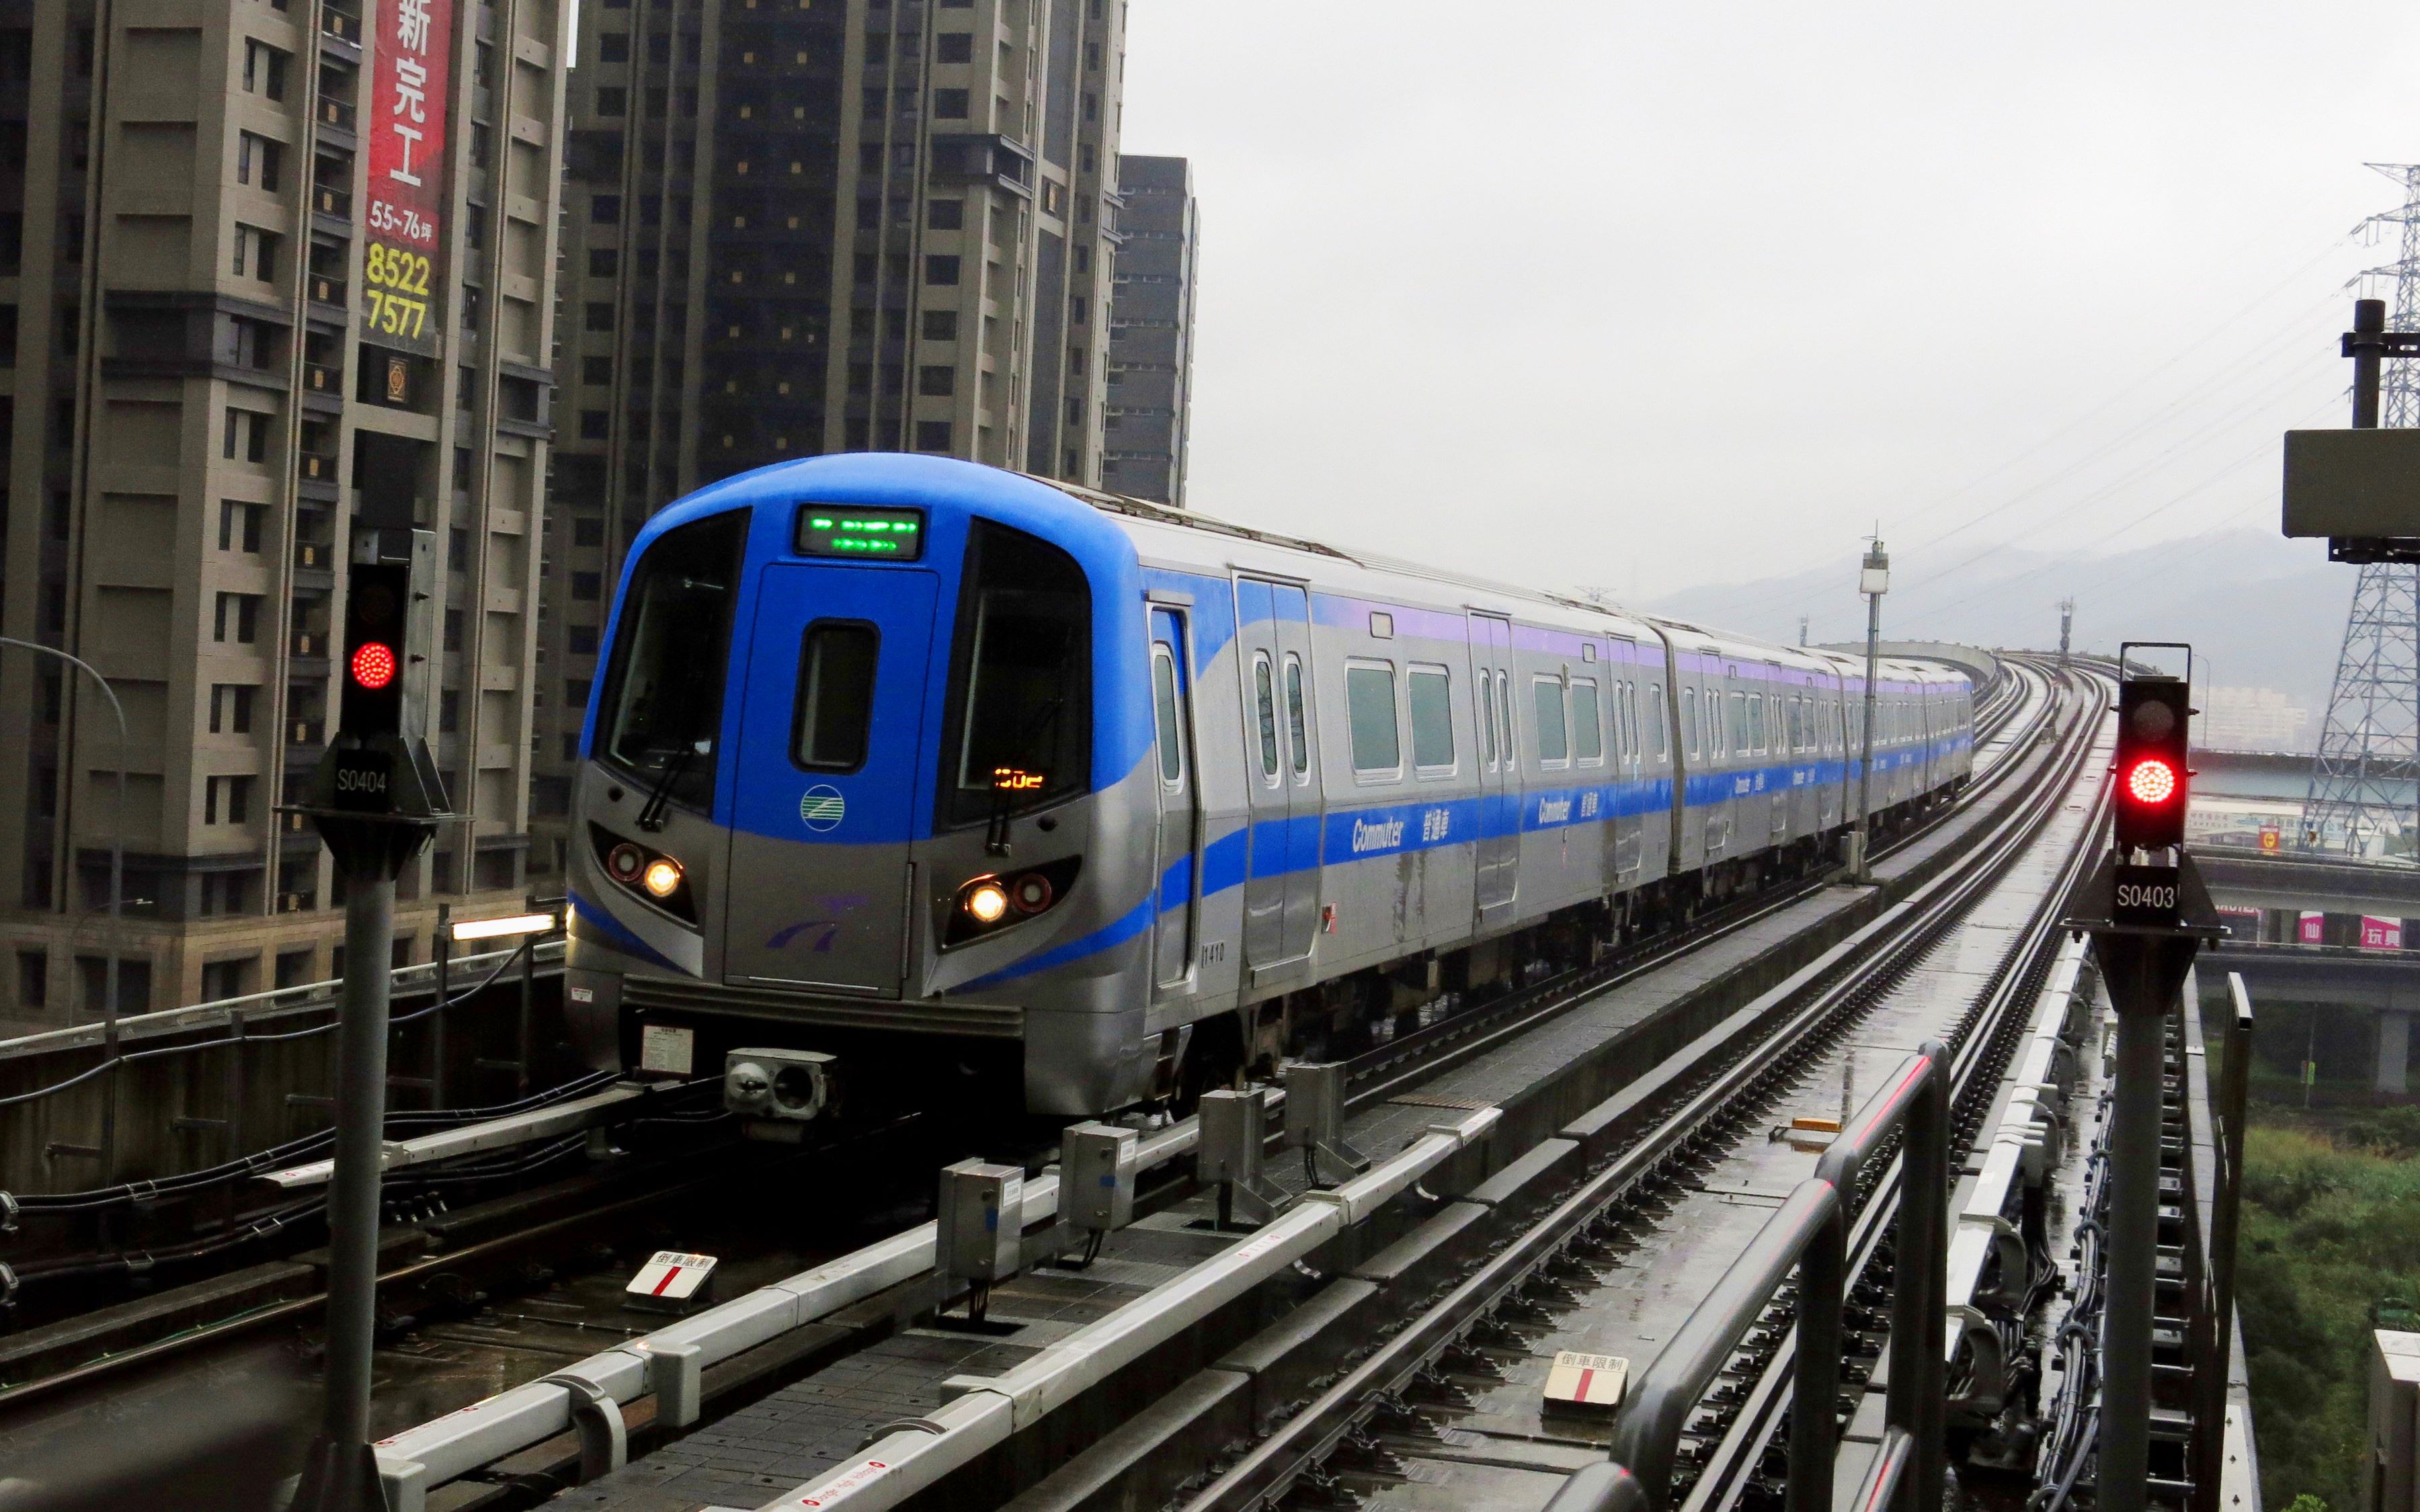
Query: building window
{"points": [[247, 435], [946, 214], [940, 325], [258, 161], [932, 435], [586, 586], [594, 425], [32, 979], [598, 315], [604, 262], [582, 641], [264, 70], [599, 370], [605, 209], [227, 800], [949, 104], [255, 254], [238, 620], [940, 271], [231, 709], [575, 693], [453, 629], [936, 381], [877, 99], [612, 101], [953, 47], [449, 711], [613, 47], [240, 525]]}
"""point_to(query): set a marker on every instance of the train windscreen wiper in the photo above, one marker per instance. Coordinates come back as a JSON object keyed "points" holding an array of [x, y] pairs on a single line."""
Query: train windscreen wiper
{"points": [[651, 814]]}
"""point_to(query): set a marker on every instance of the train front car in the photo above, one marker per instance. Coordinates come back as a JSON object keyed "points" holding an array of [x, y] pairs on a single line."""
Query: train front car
{"points": [[864, 795]]}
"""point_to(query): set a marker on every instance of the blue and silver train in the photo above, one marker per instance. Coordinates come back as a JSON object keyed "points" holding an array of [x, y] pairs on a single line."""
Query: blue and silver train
{"points": [[907, 768]]}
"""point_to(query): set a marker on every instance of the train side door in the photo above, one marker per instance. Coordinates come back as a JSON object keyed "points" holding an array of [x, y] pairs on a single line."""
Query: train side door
{"points": [[1178, 901], [1260, 661], [1622, 697], [1778, 759], [1298, 732], [829, 747], [1498, 870]]}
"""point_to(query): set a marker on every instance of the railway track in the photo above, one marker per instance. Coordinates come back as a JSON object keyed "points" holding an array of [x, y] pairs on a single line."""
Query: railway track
{"points": [[1429, 1396], [2017, 718]]}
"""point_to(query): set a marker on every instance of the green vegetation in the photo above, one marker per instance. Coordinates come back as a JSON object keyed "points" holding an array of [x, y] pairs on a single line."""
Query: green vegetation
{"points": [[2331, 1232]]}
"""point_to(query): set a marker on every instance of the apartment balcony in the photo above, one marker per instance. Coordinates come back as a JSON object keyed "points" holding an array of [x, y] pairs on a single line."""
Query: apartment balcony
{"points": [[314, 565], [297, 903], [336, 112], [340, 32], [326, 199]]}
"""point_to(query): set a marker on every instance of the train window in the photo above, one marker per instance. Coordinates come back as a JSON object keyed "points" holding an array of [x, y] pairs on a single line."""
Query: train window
{"points": [[1553, 733], [1021, 675], [1431, 692], [1486, 722], [1747, 723], [662, 706], [1297, 727], [1164, 712], [1689, 721], [1504, 719], [1370, 713], [1264, 713], [1656, 719], [1587, 729], [835, 699]]}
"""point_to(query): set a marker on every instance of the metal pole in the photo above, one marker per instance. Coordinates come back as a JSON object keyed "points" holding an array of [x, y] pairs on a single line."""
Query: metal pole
{"points": [[2367, 344], [116, 900], [1865, 763], [437, 1015], [1815, 1387], [2133, 1234], [528, 975], [342, 1475]]}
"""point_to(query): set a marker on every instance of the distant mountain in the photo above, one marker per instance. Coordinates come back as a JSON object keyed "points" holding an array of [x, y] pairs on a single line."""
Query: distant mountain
{"points": [[2260, 611]]}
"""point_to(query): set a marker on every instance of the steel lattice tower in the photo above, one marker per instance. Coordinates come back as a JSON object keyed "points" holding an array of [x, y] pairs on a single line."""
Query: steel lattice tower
{"points": [[2370, 746]]}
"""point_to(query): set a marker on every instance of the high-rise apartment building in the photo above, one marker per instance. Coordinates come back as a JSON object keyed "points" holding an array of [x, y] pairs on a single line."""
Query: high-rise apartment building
{"points": [[273, 273], [1151, 331], [799, 226]]}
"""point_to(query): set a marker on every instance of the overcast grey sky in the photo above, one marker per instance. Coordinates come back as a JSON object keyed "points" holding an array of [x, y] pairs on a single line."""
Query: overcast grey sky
{"points": [[1646, 296]]}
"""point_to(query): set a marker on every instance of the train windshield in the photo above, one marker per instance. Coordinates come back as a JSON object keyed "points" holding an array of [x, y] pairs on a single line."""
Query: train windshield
{"points": [[1020, 679], [662, 708]]}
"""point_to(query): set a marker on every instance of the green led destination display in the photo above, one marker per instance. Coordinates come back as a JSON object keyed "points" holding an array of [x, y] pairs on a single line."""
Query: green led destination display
{"points": [[860, 531]]}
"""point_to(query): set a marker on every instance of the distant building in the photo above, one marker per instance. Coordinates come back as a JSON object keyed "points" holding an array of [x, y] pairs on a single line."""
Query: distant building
{"points": [[796, 228], [271, 275], [2252, 719], [1151, 331]]}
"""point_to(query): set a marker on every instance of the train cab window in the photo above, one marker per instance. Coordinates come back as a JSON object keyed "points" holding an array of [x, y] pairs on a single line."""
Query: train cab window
{"points": [[1430, 690], [1656, 719], [1689, 721], [1554, 733], [1020, 676], [1169, 728], [1298, 727], [663, 705], [835, 700], [1265, 714], [1370, 715], [1588, 721]]}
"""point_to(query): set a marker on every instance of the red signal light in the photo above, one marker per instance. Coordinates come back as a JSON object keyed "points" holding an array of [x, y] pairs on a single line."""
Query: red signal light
{"points": [[2152, 780], [373, 665]]}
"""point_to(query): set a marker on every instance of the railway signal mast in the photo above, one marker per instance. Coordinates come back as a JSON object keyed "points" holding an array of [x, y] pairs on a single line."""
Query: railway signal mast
{"points": [[377, 799], [2147, 914]]}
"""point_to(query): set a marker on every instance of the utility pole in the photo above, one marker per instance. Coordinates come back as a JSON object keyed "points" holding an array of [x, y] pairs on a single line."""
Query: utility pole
{"points": [[1802, 629], [2066, 624], [1873, 580], [377, 799]]}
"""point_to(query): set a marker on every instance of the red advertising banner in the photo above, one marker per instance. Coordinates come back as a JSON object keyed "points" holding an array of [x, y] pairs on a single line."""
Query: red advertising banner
{"points": [[401, 221], [2380, 933], [2311, 929]]}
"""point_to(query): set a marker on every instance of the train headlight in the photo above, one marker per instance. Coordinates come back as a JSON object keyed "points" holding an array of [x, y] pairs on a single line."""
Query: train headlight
{"points": [[986, 902], [1031, 893], [662, 877]]}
